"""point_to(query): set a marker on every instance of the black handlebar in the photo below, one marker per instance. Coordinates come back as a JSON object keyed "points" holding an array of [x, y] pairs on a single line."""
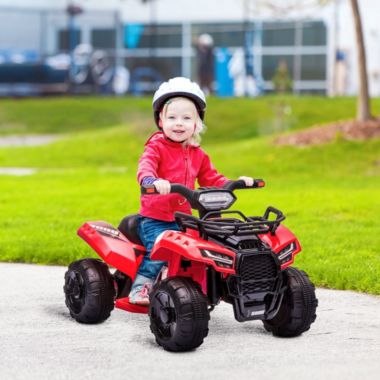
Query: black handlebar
{"points": [[188, 193], [174, 188], [240, 184], [208, 225]]}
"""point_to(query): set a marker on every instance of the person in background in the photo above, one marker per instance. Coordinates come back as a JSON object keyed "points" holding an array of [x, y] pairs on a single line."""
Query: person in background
{"points": [[205, 55]]}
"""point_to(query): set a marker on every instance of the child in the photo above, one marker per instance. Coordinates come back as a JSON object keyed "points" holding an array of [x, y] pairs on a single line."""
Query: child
{"points": [[171, 155]]}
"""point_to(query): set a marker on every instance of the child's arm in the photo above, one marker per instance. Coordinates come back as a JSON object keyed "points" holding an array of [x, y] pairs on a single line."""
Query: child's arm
{"points": [[148, 164], [147, 171]]}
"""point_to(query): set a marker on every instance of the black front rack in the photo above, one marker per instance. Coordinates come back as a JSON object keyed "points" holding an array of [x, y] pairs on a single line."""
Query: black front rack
{"points": [[214, 224]]}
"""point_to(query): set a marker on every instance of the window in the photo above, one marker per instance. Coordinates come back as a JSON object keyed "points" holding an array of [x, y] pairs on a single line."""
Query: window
{"points": [[279, 34], [224, 35], [314, 34], [313, 67], [271, 62], [103, 38], [159, 36], [64, 39]]}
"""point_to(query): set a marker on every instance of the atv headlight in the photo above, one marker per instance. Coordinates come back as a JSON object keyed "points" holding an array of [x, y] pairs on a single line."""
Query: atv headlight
{"points": [[216, 200], [221, 260], [285, 254]]}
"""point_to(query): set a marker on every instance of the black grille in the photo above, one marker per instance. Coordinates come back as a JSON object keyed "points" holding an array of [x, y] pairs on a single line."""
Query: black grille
{"points": [[250, 244], [258, 272]]}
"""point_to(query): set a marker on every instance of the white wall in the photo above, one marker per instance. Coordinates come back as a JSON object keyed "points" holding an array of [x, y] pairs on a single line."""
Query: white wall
{"points": [[27, 37], [135, 10]]}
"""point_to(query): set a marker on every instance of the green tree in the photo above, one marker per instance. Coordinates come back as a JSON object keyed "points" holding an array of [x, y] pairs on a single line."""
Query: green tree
{"points": [[281, 80]]}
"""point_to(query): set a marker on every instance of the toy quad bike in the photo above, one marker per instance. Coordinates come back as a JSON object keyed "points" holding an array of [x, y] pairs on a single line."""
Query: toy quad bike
{"points": [[222, 255]]}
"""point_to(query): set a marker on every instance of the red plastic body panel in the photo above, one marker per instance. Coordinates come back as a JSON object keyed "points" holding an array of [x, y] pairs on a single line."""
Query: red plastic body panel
{"points": [[123, 303], [174, 245], [112, 246], [282, 238], [188, 246], [117, 251]]}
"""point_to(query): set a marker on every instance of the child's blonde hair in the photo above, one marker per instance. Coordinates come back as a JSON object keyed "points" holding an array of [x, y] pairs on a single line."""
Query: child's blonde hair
{"points": [[195, 139]]}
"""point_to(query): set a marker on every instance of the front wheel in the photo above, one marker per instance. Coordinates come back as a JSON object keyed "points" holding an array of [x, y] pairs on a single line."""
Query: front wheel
{"points": [[178, 314], [298, 307], [89, 291]]}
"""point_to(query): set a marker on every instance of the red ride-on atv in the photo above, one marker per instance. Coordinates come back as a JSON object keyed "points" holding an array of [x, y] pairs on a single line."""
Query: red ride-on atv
{"points": [[222, 255]]}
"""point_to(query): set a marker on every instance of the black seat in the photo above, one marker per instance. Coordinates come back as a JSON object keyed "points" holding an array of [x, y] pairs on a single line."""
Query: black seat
{"points": [[128, 227]]}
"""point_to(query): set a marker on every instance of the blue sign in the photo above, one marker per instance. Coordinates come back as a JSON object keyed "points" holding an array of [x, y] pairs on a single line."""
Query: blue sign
{"points": [[224, 82], [132, 35]]}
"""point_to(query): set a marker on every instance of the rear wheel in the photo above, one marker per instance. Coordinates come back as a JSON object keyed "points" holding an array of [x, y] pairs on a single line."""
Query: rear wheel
{"points": [[178, 314], [89, 291], [298, 308]]}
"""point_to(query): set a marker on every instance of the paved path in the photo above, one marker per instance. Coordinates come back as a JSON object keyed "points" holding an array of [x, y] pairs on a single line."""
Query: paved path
{"points": [[26, 140], [39, 340]]}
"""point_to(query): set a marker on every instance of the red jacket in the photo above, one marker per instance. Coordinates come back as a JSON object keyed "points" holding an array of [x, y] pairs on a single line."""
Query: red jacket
{"points": [[176, 163]]}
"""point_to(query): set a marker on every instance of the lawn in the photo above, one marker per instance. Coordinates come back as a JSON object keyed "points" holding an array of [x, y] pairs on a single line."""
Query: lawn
{"points": [[329, 193]]}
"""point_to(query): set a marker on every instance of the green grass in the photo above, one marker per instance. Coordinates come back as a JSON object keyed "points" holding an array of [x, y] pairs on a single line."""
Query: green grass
{"points": [[236, 118], [329, 193], [66, 115]]}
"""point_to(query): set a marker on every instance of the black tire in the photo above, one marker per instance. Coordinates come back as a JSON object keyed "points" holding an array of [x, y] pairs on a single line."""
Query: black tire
{"points": [[89, 291], [298, 309], [178, 314]]}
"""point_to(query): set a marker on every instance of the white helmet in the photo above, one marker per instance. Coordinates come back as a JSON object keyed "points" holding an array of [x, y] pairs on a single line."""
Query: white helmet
{"points": [[178, 86], [205, 39]]}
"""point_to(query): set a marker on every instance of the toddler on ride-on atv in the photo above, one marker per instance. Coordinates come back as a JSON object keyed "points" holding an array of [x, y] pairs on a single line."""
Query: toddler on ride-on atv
{"points": [[221, 255], [171, 155]]}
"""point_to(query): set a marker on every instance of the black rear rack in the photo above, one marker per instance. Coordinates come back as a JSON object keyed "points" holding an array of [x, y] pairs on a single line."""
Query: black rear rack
{"points": [[214, 224]]}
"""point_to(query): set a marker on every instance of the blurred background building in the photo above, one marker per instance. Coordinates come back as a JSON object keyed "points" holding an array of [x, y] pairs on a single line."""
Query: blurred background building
{"points": [[129, 46]]}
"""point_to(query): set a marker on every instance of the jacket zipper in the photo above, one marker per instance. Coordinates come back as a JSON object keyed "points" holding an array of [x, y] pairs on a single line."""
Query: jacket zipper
{"points": [[186, 158], [186, 165]]}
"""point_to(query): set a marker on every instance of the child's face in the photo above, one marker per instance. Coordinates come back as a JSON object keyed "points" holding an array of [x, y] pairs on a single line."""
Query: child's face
{"points": [[179, 119]]}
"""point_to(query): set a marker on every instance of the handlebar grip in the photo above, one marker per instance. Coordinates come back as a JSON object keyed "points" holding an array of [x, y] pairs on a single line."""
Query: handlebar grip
{"points": [[174, 188], [258, 183], [240, 184], [148, 190]]}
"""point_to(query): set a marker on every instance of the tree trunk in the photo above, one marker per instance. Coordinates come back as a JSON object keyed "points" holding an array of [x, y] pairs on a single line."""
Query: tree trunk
{"points": [[363, 111]]}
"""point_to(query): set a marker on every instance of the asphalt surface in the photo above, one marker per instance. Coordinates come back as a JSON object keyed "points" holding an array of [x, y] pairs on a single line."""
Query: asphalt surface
{"points": [[39, 340]]}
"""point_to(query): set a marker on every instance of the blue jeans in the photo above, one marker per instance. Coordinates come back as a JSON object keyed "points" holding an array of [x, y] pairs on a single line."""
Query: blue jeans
{"points": [[148, 231]]}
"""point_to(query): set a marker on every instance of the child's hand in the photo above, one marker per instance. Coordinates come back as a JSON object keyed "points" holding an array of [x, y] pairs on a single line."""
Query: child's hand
{"points": [[162, 186], [248, 181]]}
